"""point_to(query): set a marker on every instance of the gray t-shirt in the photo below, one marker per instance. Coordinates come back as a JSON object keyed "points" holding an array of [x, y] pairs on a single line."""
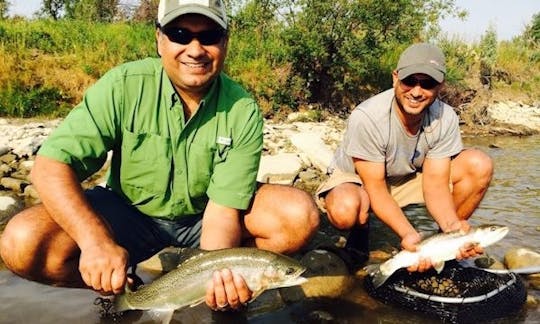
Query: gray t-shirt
{"points": [[374, 133]]}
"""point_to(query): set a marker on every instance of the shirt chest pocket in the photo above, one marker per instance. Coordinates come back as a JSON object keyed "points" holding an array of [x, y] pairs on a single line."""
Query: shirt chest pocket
{"points": [[146, 164], [200, 167]]}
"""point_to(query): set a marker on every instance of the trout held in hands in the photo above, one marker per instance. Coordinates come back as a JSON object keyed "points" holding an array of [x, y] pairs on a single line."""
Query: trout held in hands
{"points": [[438, 248], [186, 285]]}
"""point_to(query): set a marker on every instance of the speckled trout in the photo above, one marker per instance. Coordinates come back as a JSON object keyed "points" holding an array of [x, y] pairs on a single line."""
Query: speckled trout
{"points": [[186, 285], [439, 248]]}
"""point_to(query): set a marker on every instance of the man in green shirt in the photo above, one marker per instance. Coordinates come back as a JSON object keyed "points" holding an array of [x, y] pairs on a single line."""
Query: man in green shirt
{"points": [[186, 143]]}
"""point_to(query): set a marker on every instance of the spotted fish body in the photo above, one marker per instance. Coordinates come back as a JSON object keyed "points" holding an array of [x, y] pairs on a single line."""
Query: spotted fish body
{"points": [[438, 248], [186, 285]]}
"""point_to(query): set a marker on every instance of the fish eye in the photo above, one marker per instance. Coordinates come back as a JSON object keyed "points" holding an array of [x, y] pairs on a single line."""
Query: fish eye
{"points": [[289, 271]]}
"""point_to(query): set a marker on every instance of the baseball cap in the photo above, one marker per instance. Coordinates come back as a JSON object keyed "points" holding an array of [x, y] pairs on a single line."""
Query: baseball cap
{"points": [[169, 10], [422, 58]]}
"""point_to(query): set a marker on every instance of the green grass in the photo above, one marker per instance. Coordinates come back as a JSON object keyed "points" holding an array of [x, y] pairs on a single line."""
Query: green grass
{"points": [[46, 65]]}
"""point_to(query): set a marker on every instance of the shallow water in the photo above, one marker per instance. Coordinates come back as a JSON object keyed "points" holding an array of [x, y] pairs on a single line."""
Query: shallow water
{"points": [[513, 200]]}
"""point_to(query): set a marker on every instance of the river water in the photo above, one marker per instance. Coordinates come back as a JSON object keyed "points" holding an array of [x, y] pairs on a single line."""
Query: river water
{"points": [[513, 200]]}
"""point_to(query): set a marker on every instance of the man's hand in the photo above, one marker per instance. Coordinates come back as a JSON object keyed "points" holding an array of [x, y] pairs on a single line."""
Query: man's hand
{"points": [[103, 267], [227, 291], [468, 250], [409, 242]]}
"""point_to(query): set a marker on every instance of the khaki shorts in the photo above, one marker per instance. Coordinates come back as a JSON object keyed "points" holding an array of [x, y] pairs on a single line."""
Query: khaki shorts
{"points": [[405, 191]]}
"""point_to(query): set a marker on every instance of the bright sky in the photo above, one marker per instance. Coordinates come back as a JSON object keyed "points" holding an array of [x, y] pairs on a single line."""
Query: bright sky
{"points": [[508, 17]]}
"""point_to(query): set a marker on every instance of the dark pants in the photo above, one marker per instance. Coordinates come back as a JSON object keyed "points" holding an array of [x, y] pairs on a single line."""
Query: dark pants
{"points": [[141, 235]]}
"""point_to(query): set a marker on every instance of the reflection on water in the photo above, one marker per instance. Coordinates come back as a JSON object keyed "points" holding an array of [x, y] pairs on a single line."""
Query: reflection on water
{"points": [[513, 200]]}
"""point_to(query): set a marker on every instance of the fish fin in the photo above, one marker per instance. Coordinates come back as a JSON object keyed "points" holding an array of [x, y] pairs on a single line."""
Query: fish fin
{"points": [[439, 266], [197, 302], [171, 258], [377, 277], [256, 294], [161, 316]]}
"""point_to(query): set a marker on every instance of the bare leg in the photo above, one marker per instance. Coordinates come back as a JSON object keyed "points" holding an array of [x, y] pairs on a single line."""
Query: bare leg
{"points": [[471, 173], [36, 248], [281, 218], [347, 205]]}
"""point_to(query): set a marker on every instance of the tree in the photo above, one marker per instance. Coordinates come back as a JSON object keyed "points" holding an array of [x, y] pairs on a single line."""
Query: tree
{"points": [[90, 10], [488, 56], [96, 10], [532, 31], [55, 9], [4, 8], [339, 47], [146, 11]]}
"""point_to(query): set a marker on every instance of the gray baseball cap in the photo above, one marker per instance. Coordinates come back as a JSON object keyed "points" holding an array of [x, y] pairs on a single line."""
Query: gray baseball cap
{"points": [[422, 58], [169, 10]]}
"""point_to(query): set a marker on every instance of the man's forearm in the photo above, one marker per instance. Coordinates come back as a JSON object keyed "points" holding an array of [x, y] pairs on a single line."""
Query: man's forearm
{"points": [[440, 204], [388, 211], [221, 227], [63, 197]]}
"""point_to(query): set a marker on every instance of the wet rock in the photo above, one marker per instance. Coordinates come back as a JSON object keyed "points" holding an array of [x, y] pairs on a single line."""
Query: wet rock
{"points": [[521, 258], [21, 175], [5, 170], [8, 158], [31, 194], [15, 185], [10, 205], [26, 166], [532, 301], [327, 274], [320, 317], [279, 169], [488, 262], [4, 149]]}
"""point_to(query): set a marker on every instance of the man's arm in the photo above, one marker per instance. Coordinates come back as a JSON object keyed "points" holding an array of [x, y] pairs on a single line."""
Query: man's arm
{"points": [[221, 228], [102, 262], [387, 209], [383, 204], [436, 188], [440, 202]]}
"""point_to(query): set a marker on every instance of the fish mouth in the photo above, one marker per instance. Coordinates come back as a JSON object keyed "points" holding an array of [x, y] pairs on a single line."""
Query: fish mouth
{"points": [[293, 279], [292, 282]]}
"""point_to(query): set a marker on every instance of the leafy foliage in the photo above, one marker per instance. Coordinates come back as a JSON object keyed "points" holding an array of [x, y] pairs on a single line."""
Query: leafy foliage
{"points": [[89, 10], [4, 8], [290, 54]]}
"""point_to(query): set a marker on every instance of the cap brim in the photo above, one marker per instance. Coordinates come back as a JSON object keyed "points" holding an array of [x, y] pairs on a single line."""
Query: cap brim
{"points": [[170, 16], [423, 69]]}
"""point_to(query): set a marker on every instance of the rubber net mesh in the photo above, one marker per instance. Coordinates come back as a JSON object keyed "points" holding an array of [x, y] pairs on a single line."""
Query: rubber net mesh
{"points": [[456, 295]]}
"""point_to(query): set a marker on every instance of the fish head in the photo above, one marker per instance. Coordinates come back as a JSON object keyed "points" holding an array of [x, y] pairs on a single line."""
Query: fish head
{"points": [[488, 234], [284, 272]]}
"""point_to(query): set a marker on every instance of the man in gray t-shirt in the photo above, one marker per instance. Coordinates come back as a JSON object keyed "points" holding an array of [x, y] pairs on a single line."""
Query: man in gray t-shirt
{"points": [[403, 146]]}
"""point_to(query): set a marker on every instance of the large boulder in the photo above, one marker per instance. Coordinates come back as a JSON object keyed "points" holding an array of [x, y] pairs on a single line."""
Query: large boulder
{"points": [[520, 258]]}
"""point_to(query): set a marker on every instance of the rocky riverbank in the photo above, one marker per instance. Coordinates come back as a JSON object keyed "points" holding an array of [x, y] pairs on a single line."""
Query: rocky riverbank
{"points": [[295, 152]]}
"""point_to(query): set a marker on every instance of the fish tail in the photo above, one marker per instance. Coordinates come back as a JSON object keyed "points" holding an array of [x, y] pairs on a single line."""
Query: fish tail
{"points": [[378, 278], [121, 303]]}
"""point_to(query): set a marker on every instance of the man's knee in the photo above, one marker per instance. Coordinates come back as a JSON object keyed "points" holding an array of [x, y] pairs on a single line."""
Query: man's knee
{"points": [[343, 208], [479, 165], [303, 212], [14, 237], [473, 165]]}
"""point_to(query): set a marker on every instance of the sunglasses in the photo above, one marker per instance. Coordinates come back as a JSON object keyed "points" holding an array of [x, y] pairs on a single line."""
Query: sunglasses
{"points": [[183, 36], [411, 82]]}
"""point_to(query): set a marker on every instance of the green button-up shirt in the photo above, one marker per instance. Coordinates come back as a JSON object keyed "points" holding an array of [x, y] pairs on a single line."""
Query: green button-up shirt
{"points": [[161, 164]]}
